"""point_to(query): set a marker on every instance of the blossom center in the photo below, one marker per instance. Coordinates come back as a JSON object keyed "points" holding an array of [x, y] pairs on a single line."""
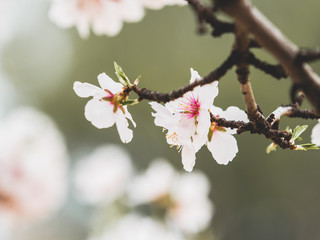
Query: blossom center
{"points": [[189, 107]]}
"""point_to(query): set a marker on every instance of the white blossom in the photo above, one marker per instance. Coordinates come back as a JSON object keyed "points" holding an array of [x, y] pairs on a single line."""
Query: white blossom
{"points": [[136, 227], [32, 166], [185, 197], [103, 176], [222, 145], [315, 134], [105, 109], [158, 4], [187, 119], [103, 16]]}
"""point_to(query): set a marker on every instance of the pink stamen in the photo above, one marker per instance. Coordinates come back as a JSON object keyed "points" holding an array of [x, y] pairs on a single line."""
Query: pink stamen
{"points": [[189, 106]]}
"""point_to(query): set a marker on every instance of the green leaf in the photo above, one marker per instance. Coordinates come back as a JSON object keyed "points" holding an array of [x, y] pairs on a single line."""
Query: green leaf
{"points": [[136, 82], [271, 147], [123, 79], [306, 146], [298, 131]]}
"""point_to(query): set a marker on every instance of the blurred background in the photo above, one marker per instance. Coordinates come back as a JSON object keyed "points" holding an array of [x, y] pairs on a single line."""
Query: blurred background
{"points": [[256, 196]]}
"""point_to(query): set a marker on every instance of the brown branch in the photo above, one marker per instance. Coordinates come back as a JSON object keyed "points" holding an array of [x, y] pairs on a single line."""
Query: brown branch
{"points": [[270, 38], [207, 14], [302, 113], [273, 70], [307, 55], [282, 138], [215, 75]]}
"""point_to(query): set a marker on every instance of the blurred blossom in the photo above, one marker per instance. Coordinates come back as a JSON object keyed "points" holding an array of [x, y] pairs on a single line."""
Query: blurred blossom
{"points": [[102, 176], [158, 4], [103, 16], [33, 166], [135, 227], [184, 196], [315, 135]]}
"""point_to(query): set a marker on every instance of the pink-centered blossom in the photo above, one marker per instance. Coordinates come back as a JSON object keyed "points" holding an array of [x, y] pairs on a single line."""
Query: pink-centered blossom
{"points": [[103, 16], [105, 108], [187, 119], [188, 122]]}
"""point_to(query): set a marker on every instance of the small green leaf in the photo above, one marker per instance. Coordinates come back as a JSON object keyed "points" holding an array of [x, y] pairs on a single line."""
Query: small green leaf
{"points": [[306, 146], [298, 131], [271, 147], [123, 79]]}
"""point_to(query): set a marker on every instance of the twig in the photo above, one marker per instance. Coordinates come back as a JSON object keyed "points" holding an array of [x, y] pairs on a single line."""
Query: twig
{"points": [[307, 55], [207, 14], [273, 70], [215, 75]]}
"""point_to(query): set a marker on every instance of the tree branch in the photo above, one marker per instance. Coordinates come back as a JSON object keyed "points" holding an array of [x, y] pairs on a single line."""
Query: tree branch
{"points": [[270, 38], [207, 14], [215, 75]]}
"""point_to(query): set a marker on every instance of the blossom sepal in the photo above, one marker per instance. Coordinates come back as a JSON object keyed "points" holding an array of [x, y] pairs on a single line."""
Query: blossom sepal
{"points": [[130, 102], [123, 79]]}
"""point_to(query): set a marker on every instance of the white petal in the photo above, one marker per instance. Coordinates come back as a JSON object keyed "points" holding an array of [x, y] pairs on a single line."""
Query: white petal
{"points": [[188, 155], [216, 111], [204, 122], [315, 135], [207, 94], [107, 83], [128, 115], [194, 75], [85, 90], [223, 147], [280, 111], [235, 113], [163, 117], [132, 11], [122, 124], [199, 141], [99, 113]]}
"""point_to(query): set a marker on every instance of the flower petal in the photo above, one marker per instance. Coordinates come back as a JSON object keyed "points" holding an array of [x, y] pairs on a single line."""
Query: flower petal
{"points": [[99, 113], [204, 122], [107, 83], [234, 113], [128, 115], [315, 135], [122, 124], [207, 94], [188, 155], [194, 75], [223, 147], [85, 90]]}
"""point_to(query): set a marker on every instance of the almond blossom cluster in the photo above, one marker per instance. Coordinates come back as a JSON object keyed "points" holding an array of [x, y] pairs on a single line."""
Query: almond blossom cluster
{"points": [[189, 126], [186, 119], [103, 16]]}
